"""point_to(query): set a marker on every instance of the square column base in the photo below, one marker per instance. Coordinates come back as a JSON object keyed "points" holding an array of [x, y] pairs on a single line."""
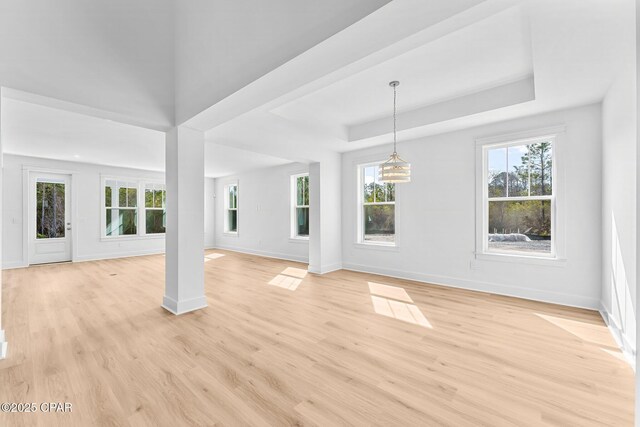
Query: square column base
{"points": [[184, 306]]}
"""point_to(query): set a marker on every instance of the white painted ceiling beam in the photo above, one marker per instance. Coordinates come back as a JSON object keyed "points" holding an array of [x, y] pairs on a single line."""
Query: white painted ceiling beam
{"points": [[395, 28], [85, 110]]}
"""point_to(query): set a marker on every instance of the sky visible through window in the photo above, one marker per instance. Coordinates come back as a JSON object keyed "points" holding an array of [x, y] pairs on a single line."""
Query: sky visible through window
{"points": [[519, 188]]}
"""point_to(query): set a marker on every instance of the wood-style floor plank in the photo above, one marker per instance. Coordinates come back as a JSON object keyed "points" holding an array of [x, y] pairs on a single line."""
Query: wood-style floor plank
{"points": [[278, 346]]}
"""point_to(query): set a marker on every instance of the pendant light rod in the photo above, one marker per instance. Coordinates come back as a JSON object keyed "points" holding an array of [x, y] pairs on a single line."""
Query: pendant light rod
{"points": [[395, 169], [394, 84]]}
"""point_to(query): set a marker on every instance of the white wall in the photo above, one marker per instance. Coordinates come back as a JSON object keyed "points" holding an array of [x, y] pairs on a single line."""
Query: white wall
{"points": [[435, 215], [86, 224], [264, 213], [619, 192]]}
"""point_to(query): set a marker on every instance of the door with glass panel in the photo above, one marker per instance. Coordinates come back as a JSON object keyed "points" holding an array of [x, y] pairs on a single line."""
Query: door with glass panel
{"points": [[49, 218]]}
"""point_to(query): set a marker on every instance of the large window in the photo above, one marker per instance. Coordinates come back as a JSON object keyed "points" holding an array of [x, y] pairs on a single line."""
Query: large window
{"points": [[155, 210], [122, 201], [231, 209], [121, 208], [377, 207], [300, 206], [519, 199]]}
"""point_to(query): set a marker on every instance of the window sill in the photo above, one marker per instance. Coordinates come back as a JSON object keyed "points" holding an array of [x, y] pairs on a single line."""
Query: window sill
{"points": [[377, 246], [230, 233], [132, 237], [521, 259], [298, 239]]}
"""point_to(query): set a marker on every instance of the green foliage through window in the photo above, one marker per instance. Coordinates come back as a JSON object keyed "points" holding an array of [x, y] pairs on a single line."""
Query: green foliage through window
{"points": [[155, 208], [378, 209], [231, 225], [121, 208], [302, 206], [520, 190], [50, 210]]}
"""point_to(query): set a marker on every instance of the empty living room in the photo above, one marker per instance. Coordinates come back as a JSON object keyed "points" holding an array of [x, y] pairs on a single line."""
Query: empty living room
{"points": [[319, 213]]}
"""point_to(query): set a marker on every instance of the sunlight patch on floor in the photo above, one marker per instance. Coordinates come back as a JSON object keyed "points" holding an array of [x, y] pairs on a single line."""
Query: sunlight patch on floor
{"points": [[290, 278], [394, 302], [617, 354], [387, 291], [300, 273], [586, 331]]}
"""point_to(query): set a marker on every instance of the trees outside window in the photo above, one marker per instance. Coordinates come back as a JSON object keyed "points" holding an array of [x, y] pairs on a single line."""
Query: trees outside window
{"points": [[520, 199], [50, 210], [121, 208], [377, 210], [155, 208], [133, 208], [231, 209], [300, 204]]}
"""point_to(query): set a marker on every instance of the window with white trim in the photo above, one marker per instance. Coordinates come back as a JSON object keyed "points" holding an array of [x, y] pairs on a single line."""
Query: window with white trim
{"points": [[300, 206], [519, 212], [231, 208], [122, 204], [377, 211], [121, 208], [155, 208]]}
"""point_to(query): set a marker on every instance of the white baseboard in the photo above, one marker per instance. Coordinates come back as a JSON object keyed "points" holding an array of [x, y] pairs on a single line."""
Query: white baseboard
{"points": [[86, 258], [3, 345], [13, 264], [619, 336], [265, 254], [117, 255], [512, 291]]}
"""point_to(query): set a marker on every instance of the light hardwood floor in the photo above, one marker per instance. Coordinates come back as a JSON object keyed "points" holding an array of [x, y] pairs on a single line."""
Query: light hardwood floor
{"points": [[276, 347]]}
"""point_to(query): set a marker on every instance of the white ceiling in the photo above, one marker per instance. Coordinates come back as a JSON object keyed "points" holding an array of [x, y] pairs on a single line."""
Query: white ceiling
{"points": [[486, 54], [35, 130], [223, 45], [221, 160], [40, 131], [136, 59], [112, 55], [334, 97], [573, 50]]}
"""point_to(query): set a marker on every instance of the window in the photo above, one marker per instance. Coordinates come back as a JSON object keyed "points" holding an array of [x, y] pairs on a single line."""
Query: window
{"points": [[300, 203], [155, 210], [121, 208], [231, 209], [50, 209], [123, 198], [519, 197], [378, 206]]}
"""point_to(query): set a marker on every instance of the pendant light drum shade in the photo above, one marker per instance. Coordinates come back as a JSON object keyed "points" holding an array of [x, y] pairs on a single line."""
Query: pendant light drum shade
{"points": [[396, 169]]}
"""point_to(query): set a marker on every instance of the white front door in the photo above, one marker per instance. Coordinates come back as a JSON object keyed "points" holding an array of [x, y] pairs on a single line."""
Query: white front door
{"points": [[49, 218]]}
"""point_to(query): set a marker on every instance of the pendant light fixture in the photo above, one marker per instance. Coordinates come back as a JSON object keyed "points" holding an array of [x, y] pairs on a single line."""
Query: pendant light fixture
{"points": [[395, 170]]}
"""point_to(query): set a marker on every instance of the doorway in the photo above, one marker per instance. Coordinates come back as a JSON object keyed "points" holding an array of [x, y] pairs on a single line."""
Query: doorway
{"points": [[49, 218]]}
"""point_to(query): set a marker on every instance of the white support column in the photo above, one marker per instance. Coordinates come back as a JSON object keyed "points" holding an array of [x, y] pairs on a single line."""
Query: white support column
{"points": [[184, 271], [325, 215], [3, 339]]}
